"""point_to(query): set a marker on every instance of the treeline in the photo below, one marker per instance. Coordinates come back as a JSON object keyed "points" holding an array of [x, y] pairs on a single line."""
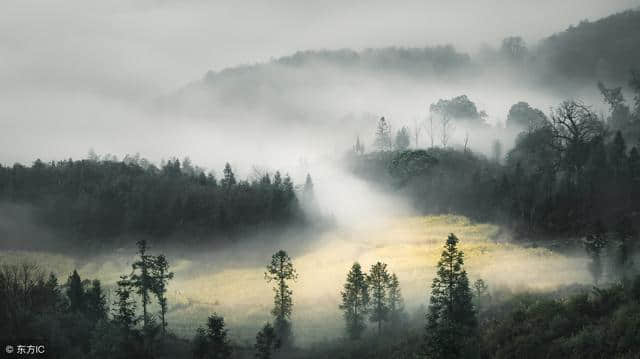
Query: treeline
{"points": [[463, 319], [73, 320], [568, 174], [96, 198]]}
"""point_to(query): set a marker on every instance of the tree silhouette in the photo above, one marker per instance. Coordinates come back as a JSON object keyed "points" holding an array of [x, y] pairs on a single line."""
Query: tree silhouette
{"points": [[378, 281], [451, 318], [212, 342], [161, 276], [355, 301], [266, 342], [143, 281], [281, 270]]}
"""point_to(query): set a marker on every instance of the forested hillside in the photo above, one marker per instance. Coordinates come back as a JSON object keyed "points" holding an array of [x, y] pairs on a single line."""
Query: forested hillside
{"points": [[92, 199]]}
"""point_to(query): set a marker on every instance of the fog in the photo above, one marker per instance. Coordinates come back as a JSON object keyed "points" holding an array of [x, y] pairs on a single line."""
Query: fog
{"points": [[122, 78]]}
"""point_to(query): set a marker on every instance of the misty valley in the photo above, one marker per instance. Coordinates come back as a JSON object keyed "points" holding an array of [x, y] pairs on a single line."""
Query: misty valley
{"points": [[346, 201]]}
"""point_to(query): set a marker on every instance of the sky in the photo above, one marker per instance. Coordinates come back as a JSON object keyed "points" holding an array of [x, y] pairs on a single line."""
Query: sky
{"points": [[133, 49], [73, 73]]}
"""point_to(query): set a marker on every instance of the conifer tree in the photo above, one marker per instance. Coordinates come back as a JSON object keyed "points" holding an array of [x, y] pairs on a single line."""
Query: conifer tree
{"points": [[143, 281], [125, 307], [378, 282], [355, 301], [96, 302], [403, 139], [281, 270], [212, 342], [383, 140], [266, 342], [75, 293], [451, 318], [396, 303], [229, 179]]}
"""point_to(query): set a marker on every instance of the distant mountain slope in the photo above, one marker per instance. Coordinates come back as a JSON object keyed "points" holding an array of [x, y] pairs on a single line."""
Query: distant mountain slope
{"points": [[604, 49]]}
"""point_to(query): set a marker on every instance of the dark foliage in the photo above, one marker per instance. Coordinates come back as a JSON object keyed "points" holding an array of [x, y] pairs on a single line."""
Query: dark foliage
{"points": [[91, 199]]}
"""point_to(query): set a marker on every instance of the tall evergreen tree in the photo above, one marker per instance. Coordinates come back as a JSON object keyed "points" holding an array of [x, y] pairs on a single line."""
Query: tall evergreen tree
{"points": [[212, 342], [403, 139], [266, 342], [355, 301], [142, 279], [383, 140], [281, 270], [161, 276], [396, 303], [96, 302], [75, 293], [451, 318], [125, 307], [228, 179], [378, 282]]}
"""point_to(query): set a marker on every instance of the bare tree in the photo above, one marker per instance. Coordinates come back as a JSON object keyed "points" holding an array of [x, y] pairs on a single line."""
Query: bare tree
{"points": [[430, 131], [446, 129], [574, 125], [417, 129], [466, 141]]}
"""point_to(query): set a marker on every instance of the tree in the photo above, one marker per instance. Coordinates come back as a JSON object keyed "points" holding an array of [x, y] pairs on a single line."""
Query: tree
{"points": [[212, 342], [595, 242], [229, 179], [125, 307], [524, 117], [378, 282], [395, 302], [383, 140], [75, 293], [96, 302], [281, 270], [355, 301], [496, 151], [358, 148], [451, 318], [403, 140], [574, 126], [266, 342], [161, 276], [143, 281], [624, 234], [514, 48]]}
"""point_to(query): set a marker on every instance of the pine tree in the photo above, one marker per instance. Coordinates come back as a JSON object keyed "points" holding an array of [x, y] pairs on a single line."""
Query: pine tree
{"points": [[355, 301], [229, 179], [125, 307], [396, 303], [403, 139], [212, 342], [451, 318], [75, 293], [161, 276], [281, 270], [308, 196], [143, 281], [96, 302], [382, 140], [266, 342], [378, 281]]}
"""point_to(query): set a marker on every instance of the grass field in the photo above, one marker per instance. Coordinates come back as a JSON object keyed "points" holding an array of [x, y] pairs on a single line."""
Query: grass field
{"points": [[410, 246]]}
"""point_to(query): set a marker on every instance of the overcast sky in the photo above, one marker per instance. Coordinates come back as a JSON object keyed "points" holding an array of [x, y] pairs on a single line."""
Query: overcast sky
{"points": [[73, 73], [132, 48]]}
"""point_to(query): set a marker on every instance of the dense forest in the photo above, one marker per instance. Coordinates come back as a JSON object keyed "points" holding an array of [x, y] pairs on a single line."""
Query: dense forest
{"points": [[99, 198], [570, 173]]}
